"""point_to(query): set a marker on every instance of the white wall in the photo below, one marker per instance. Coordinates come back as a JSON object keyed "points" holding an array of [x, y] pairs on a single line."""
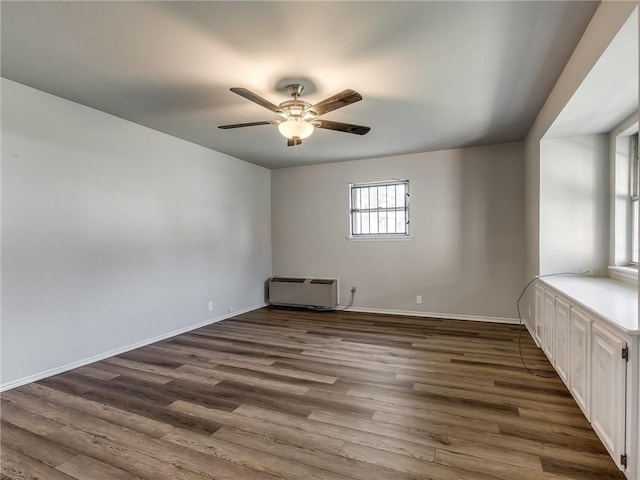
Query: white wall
{"points": [[605, 24], [465, 256], [574, 204], [114, 234]]}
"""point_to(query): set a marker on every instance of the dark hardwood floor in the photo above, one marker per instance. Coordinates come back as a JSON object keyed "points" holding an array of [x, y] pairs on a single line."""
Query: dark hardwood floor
{"points": [[290, 394]]}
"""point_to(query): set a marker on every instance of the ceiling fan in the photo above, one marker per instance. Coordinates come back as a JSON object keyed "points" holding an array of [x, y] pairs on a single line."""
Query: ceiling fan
{"points": [[300, 118]]}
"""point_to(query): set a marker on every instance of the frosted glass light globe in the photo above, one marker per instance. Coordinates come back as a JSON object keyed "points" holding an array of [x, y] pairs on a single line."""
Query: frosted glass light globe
{"points": [[295, 128]]}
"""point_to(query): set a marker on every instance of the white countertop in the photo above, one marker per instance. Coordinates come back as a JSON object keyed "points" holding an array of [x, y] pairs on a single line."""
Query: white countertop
{"points": [[613, 300]]}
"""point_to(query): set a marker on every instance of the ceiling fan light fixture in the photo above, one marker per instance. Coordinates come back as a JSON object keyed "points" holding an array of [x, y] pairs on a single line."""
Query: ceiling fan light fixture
{"points": [[296, 128]]}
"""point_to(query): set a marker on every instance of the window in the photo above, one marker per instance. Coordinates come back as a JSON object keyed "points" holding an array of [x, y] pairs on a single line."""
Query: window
{"points": [[379, 209], [625, 200], [634, 198]]}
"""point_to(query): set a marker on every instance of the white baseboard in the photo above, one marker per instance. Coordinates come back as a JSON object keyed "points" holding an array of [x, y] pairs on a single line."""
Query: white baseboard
{"points": [[450, 316], [96, 358]]}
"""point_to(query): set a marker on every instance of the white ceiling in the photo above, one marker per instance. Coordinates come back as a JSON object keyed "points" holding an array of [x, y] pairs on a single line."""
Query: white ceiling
{"points": [[434, 75]]}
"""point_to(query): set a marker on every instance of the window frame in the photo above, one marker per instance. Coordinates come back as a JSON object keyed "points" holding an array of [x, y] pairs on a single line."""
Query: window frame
{"points": [[353, 211], [621, 264], [634, 199]]}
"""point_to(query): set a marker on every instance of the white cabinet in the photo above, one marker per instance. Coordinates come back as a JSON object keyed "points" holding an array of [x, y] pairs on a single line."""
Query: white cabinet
{"points": [[537, 328], [548, 312], [561, 338], [580, 359], [587, 349], [608, 399]]}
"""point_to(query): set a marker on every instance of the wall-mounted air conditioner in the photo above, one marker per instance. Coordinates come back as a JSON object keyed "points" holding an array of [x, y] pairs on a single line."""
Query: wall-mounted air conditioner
{"points": [[303, 292]]}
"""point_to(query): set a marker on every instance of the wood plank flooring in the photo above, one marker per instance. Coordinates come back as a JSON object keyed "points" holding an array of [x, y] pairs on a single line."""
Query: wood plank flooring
{"points": [[290, 394]]}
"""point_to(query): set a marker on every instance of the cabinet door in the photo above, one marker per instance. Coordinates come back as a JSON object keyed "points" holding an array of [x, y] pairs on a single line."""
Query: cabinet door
{"points": [[537, 328], [547, 324], [561, 339], [608, 392], [579, 359]]}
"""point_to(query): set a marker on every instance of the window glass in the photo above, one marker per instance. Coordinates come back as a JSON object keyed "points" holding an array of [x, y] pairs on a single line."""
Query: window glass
{"points": [[379, 208]]}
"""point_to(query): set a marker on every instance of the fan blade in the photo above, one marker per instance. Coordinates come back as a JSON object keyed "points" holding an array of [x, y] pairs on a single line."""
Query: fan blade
{"points": [[342, 127], [293, 141], [239, 125], [249, 95], [342, 99]]}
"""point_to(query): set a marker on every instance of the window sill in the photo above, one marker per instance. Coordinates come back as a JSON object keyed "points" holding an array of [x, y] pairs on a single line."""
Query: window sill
{"points": [[624, 274], [378, 239]]}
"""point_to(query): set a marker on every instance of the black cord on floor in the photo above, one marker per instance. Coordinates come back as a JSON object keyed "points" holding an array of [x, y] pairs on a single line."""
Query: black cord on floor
{"points": [[334, 309], [521, 324]]}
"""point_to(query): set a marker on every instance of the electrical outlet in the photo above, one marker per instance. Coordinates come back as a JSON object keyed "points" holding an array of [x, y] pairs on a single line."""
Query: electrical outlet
{"points": [[418, 299], [230, 309], [588, 271], [353, 289], [211, 306]]}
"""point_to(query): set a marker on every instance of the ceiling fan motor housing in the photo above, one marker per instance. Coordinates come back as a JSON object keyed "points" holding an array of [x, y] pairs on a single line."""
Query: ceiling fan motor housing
{"points": [[295, 89]]}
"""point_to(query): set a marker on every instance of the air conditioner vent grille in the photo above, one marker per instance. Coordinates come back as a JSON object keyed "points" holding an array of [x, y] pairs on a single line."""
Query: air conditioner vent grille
{"points": [[287, 280]]}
